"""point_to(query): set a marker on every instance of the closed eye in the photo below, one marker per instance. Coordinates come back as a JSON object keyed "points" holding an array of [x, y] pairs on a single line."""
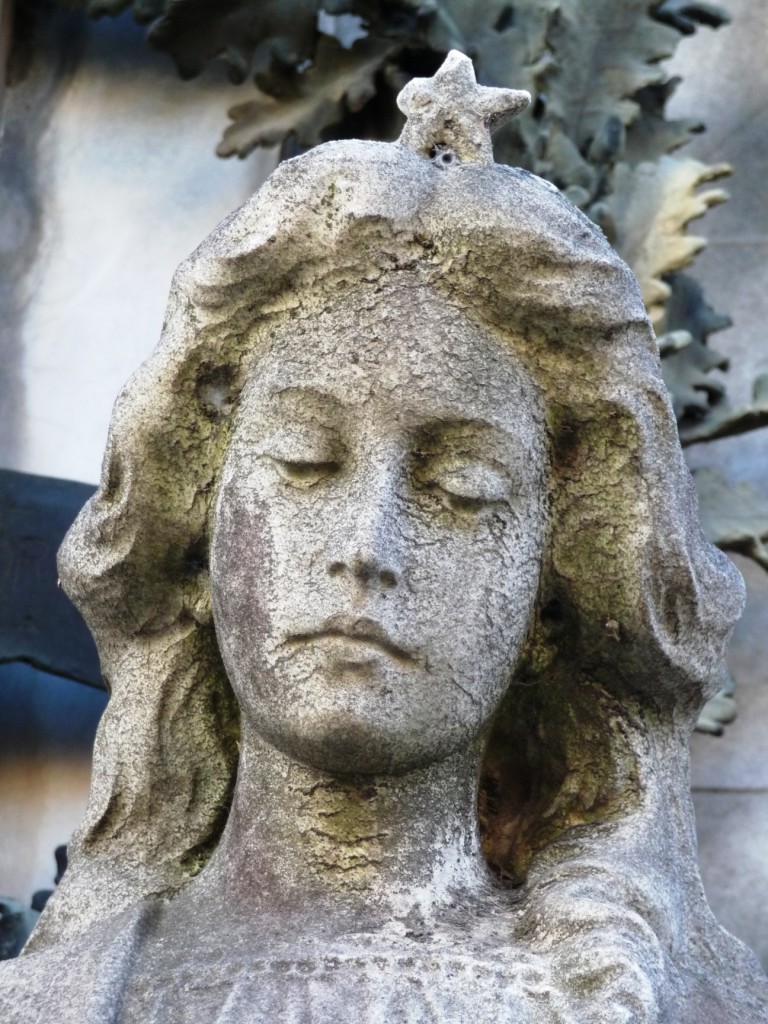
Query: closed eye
{"points": [[304, 454], [461, 502], [301, 473], [466, 485]]}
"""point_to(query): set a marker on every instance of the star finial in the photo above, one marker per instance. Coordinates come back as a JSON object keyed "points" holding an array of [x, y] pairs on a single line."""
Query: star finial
{"points": [[451, 117]]}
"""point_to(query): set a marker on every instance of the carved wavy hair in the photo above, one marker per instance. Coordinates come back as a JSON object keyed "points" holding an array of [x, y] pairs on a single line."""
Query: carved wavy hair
{"points": [[634, 610]]}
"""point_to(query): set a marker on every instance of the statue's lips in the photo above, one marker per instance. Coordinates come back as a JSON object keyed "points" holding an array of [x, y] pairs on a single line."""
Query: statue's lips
{"points": [[364, 631]]}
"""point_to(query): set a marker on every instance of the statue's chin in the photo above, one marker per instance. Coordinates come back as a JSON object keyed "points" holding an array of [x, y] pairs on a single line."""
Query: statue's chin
{"points": [[375, 717], [342, 743]]}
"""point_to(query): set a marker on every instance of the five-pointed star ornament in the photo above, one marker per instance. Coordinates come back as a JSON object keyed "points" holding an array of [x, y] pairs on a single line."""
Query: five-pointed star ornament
{"points": [[451, 117]]}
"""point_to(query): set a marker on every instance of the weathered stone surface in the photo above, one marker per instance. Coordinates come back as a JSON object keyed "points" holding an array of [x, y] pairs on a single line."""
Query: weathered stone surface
{"points": [[395, 512]]}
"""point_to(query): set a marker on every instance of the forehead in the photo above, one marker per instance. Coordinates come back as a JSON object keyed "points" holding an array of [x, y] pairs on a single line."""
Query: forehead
{"points": [[395, 350]]}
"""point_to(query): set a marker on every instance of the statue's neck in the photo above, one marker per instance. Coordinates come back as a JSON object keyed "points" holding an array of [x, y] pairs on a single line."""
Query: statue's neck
{"points": [[376, 847]]}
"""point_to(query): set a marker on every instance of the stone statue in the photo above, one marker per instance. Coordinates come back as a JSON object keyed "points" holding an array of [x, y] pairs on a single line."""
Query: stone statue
{"points": [[397, 580]]}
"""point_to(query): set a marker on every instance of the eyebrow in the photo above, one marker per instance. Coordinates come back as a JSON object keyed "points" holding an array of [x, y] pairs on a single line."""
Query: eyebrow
{"points": [[297, 396], [463, 426], [305, 399]]}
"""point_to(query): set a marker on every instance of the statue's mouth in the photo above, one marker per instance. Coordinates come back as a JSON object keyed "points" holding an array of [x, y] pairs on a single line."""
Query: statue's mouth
{"points": [[364, 631]]}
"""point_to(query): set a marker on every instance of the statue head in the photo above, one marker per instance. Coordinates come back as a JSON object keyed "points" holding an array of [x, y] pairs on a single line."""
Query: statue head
{"points": [[377, 538], [401, 476]]}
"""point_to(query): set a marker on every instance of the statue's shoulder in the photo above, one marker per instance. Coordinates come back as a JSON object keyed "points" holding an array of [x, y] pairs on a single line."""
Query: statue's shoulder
{"points": [[17, 990], [43, 987], [72, 981]]}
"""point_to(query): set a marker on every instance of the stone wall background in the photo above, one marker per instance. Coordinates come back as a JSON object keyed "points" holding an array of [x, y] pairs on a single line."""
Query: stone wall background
{"points": [[47, 725], [109, 163], [108, 179]]}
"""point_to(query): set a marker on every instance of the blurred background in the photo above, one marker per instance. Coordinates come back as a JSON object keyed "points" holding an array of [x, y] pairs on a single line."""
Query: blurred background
{"points": [[109, 177]]}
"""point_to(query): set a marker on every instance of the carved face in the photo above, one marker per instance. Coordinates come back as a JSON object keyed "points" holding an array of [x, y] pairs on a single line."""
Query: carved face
{"points": [[378, 533]]}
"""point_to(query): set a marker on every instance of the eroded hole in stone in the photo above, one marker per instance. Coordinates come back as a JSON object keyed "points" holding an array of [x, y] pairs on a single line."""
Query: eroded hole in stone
{"points": [[214, 389], [114, 481], [196, 557], [443, 156], [552, 611], [506, 19]]}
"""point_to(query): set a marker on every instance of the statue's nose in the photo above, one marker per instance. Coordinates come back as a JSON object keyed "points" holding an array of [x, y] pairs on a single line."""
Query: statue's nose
{"points": [[366, 568], [369, 541]]}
